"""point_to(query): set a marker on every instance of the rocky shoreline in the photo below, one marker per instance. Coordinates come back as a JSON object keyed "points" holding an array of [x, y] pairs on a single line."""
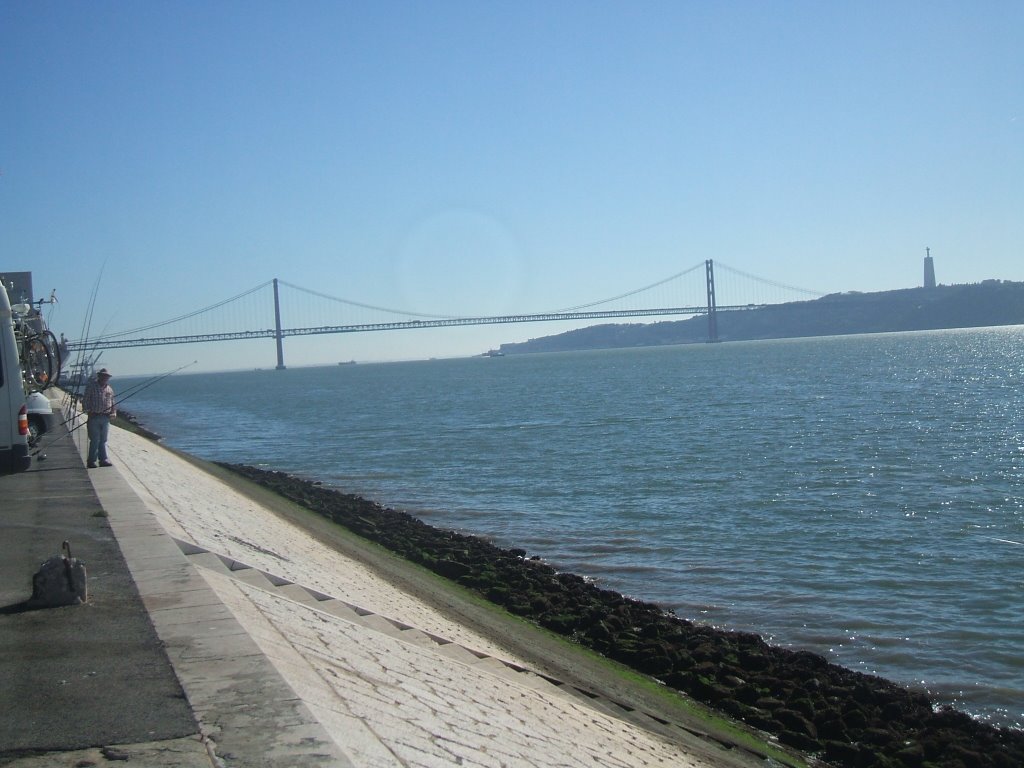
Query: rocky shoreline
{"points": [[840, 716]]}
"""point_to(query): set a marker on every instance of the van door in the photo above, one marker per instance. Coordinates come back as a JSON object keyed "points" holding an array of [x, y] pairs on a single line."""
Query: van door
{"points": [[13, 414]]}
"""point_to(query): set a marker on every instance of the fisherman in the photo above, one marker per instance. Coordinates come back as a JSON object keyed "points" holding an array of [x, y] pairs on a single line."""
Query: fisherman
{"points": [[98, 403]]}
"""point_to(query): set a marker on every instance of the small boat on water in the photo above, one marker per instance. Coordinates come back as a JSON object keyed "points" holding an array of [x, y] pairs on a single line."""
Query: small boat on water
{"points": [[493, 353]]}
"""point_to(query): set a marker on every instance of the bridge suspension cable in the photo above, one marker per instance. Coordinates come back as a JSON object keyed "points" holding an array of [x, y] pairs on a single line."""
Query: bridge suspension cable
{"points": [[626, 295], [351, 303], [766, 281], [187, 316]]}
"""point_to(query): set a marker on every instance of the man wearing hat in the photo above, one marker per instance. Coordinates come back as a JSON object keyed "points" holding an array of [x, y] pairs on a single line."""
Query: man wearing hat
{"points": [[98, 403]]}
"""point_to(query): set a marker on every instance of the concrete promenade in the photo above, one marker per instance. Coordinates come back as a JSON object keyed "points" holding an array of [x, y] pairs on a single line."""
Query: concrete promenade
{"points": [[219, 633]]}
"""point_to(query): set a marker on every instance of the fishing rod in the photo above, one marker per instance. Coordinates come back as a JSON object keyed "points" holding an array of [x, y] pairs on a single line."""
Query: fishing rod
{"points": [[140, 387], [143, 386], [131, 392], [82, 359]]}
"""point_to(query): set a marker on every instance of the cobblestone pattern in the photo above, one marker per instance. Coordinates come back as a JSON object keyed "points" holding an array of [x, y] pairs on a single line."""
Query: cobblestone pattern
{"points": [[214, 516], [423, 707]]}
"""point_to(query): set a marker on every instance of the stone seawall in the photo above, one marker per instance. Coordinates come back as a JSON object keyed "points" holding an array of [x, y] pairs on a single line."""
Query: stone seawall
{"points": [[847, 718]]}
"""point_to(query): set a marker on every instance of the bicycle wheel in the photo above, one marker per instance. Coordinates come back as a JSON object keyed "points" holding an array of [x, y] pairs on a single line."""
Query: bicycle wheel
{"points": [[57, 360], [37, 363]]}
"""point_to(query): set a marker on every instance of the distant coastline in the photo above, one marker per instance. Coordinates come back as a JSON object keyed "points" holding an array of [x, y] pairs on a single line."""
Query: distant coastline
{"points": [[976, 305]]}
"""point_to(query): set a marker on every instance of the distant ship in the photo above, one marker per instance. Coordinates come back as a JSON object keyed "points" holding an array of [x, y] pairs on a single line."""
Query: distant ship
{"points": [[493, 353]]}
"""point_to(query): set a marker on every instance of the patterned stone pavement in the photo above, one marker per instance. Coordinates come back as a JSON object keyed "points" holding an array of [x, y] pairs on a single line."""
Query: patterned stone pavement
{"points": [[258, 614]]}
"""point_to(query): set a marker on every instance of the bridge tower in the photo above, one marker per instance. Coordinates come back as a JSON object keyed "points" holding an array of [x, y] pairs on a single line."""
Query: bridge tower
{"points": [[277, 329], [709, 268]]}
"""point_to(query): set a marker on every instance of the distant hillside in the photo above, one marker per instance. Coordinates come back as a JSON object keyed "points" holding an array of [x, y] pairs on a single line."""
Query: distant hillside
{"points": [[993, 302]]}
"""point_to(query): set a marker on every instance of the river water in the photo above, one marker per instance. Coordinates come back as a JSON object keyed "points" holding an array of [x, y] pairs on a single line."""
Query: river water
{"points": [[859, 496]]}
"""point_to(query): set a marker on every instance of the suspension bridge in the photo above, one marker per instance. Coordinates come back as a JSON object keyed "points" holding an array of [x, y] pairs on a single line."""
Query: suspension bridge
{"points": [[691, 292]]}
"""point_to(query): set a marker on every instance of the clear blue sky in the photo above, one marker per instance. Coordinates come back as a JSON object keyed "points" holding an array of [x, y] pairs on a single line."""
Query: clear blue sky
{"points": [[484, 157]]}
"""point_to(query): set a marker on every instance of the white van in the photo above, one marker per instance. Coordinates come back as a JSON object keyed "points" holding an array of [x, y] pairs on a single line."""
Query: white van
{"points": [[14, 455]]}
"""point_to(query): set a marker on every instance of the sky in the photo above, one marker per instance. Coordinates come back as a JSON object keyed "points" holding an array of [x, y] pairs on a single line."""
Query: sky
{"points": [[479, 158]]}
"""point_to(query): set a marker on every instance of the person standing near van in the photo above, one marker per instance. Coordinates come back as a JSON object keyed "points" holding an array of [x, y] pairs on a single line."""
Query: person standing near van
{"points": [[98, 403]]}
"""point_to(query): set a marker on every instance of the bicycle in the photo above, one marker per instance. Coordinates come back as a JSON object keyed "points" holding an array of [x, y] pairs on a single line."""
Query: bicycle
{"points": [[38, 349]]}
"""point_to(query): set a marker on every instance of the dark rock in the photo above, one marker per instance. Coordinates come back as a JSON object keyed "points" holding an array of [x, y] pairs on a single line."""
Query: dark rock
{"points": [[760, 719], [746, 694], [843, 753], [831, 727], [792, 720], [878, 737], [856, 720], [804, 706], [653, 665], [755, 660], [769, 703], [911, 756], [800, 741], [451, 569]]}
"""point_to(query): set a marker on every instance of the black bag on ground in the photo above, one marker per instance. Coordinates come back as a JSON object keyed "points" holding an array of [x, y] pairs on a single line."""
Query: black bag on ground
{"points": [[60, 580]]}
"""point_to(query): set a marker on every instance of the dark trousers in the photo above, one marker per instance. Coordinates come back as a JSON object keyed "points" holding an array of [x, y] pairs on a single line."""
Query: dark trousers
{"points": [[99, 427]]}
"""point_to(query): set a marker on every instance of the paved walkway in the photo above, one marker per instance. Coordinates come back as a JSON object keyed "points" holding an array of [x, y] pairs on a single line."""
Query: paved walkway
{"points": [[287, 653]]}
